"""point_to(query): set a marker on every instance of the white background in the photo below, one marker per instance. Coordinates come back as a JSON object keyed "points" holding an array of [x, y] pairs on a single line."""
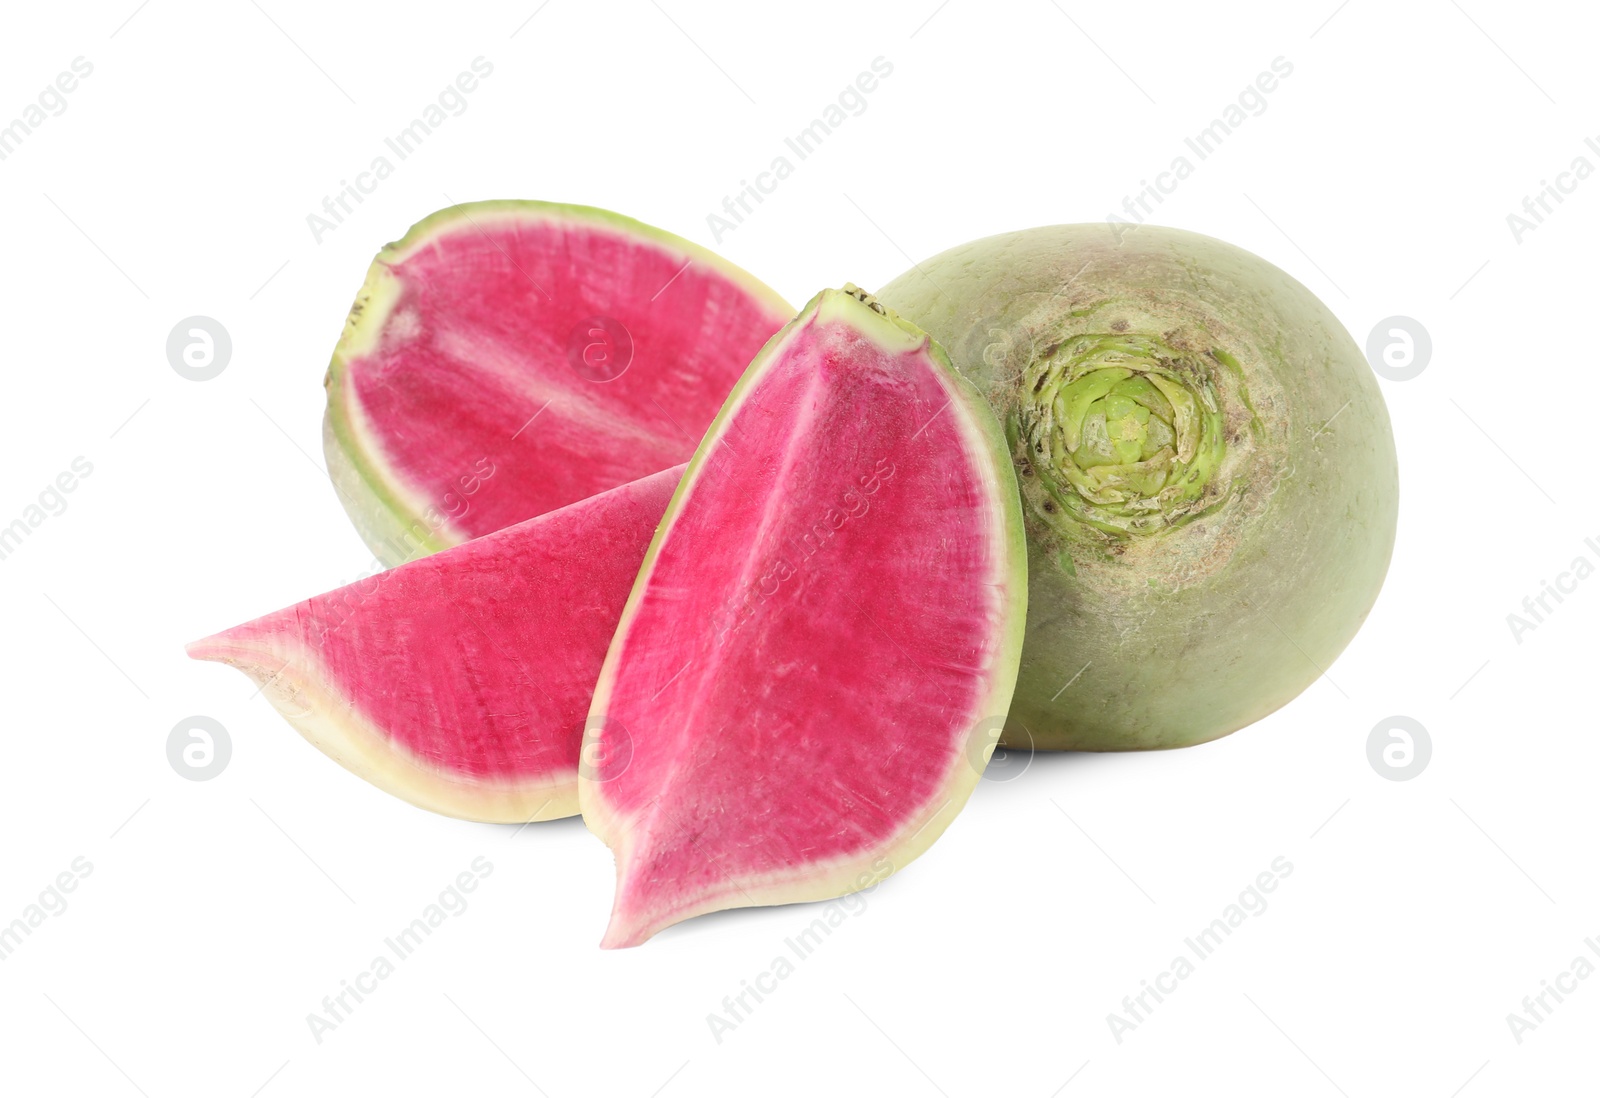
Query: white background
{"points": [[218, 914]]}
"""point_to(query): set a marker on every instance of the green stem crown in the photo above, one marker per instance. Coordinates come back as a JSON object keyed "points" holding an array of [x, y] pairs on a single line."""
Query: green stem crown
{"points": [[1124, 432]]}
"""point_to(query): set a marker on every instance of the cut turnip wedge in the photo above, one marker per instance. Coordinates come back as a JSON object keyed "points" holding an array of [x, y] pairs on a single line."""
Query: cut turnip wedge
{"points": [[818, 653], [507, 358], [460, 682]]}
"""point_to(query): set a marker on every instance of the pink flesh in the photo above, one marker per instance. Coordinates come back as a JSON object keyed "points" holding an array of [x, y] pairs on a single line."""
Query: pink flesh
{"points": [[480, 660], [477, 346], [832, 709]]}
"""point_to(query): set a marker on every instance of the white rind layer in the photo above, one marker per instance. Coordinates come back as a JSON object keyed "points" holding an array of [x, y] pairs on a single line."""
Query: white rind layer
{"points": [[294, 680]]}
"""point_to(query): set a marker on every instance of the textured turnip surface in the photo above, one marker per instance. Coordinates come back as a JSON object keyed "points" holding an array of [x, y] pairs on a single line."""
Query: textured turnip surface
{"points": [[461, 681], [1202, 541], [824, 635], [489, 339]]}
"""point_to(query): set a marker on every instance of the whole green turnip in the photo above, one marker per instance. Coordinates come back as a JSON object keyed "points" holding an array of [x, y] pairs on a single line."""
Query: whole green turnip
{"points": [[1207, 473]]}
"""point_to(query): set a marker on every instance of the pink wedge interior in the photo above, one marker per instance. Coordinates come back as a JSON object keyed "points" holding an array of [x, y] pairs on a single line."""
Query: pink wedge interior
{"points": [[569, 355]]}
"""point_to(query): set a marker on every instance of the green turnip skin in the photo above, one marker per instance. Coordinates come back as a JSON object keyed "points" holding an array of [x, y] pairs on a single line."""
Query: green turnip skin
{"points": [[1207, 473]]}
